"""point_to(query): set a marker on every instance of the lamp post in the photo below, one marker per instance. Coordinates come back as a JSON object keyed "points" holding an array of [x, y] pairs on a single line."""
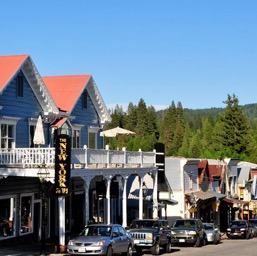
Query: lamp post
{"points": [[43, 175], [239, 209], [145, 193]]}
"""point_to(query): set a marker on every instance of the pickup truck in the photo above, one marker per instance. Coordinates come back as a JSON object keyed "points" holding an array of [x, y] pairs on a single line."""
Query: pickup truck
{"points": [[151, 234]]}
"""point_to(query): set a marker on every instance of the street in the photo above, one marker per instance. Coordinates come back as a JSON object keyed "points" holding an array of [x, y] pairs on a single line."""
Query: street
{"points": [[225, 248]]}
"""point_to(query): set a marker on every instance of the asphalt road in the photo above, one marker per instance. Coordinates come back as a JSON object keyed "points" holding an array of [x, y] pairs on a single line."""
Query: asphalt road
{"points": [[227, 247]]}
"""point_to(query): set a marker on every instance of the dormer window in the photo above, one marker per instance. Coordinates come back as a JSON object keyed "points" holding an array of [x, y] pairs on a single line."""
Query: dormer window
{"points": [[84, 100], [19, 86]]}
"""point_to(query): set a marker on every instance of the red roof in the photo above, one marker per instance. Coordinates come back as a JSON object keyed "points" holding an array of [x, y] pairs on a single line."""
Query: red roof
{"points": [[9, 66], [66, 90]]}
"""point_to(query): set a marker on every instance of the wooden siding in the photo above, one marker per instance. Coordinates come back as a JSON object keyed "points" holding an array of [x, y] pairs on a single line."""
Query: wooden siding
{"points": [[23, 107], [86, 117]]}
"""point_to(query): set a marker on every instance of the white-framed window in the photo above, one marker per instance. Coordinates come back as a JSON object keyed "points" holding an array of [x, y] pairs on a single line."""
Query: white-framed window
{"points": [[92, 137], [76, 136], [8, 131], [32, 128], [7, 216], [26, 213]]}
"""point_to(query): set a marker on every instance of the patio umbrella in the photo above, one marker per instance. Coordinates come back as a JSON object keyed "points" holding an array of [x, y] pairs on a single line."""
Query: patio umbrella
{"points": [[115, 132], [39, 137]]}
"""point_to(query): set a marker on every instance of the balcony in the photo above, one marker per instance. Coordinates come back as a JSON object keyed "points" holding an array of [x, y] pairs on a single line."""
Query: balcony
{"points": [[80, 158]]}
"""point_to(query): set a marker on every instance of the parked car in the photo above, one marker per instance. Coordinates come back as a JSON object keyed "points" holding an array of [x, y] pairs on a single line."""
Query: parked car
{"points": [[239, 229], [253, 223], [151, 234], [213, 233], [101, 239], [188, 231]]}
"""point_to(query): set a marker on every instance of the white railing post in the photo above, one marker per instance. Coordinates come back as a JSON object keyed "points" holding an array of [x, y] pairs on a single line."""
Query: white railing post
{"points": [[124, 156], [85, 149], [108, 155], [141, 157]]}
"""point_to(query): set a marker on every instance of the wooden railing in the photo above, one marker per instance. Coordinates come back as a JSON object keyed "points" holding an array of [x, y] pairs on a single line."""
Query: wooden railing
{"points": [[80, 158]]}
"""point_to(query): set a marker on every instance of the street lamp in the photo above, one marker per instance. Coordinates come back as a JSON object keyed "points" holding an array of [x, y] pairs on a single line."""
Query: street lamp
{"points": [[43, 175]]}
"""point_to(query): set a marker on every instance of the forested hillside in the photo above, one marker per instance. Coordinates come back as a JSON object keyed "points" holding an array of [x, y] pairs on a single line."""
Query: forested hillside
{"points": [[205, 133]]}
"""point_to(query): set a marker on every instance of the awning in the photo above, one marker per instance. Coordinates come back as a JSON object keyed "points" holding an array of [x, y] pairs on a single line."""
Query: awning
{"points": [[234, 201], [169, 202], [201, 195]]}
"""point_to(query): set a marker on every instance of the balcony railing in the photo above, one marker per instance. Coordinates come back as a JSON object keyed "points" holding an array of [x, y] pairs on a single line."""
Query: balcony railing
{"points": [[80, 158]]}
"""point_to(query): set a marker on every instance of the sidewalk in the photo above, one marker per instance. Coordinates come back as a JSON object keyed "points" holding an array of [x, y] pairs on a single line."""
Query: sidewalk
{"points": [[29, 250]]}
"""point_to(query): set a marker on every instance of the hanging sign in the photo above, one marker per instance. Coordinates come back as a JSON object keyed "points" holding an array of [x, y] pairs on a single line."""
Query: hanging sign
{"points": [[62, 165]]}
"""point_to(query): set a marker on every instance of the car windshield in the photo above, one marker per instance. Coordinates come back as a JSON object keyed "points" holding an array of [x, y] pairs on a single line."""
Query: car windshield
{"points": [[144, 224], [240, 224], [208, 226], [96, 231], [184, 223]]}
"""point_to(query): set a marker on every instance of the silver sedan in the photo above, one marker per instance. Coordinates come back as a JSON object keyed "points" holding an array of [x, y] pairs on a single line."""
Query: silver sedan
{"points": [[101, 239], [212, 233]]}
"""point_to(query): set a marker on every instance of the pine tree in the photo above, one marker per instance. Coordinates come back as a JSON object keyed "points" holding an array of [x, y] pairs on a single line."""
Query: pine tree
{"points": [[233, 134]]}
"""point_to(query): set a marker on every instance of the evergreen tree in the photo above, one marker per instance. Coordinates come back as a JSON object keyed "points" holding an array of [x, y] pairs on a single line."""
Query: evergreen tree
{"points": [[233, 134], [169, 126]]}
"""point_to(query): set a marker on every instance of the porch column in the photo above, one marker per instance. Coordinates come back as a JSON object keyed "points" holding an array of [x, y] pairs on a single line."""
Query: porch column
{"points": [[108, 201], [87, 181], [124, 202], [61, 203], [140, 197], [155, 195]]}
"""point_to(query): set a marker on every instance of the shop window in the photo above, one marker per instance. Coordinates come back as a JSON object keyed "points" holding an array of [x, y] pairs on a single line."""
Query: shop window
{"points": [[7, 211], [26, 204]]}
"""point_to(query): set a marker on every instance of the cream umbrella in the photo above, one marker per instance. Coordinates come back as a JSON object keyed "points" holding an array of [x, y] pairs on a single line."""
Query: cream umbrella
{"points": [[39, 137], [115, 132]]}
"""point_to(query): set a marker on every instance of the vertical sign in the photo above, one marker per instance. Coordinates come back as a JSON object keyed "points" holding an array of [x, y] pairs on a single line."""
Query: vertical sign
{"points": [[160, 161], [62, 165]]}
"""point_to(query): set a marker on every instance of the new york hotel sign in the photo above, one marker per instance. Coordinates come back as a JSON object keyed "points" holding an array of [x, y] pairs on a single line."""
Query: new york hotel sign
{"points": [[62, 165]]}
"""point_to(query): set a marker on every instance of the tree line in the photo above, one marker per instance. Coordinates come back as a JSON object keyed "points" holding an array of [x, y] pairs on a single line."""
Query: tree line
{"points": [[218, 133]]}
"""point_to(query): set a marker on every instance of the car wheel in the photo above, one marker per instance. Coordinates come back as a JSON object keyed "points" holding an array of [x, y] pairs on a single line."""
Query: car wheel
{"points": [[138, 250], [129, 251], [155, 250], [109, 251], [198, 242], [168, 247]]}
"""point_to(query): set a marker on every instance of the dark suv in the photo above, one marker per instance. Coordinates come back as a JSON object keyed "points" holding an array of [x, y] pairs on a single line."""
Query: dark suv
{"points": [[151, 234], [188, 231], [239, 229]]}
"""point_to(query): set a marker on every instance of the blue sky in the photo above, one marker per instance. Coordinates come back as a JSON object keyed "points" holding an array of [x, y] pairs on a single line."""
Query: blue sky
{"points": [[195, 52]]}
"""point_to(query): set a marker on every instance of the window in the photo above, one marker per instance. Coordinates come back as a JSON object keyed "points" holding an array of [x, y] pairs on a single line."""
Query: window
{"points": [[7, 212], [92, 140], [26, 217], [75, 139], [7, 135], [31, 135], [84, 100], [19, 86]]}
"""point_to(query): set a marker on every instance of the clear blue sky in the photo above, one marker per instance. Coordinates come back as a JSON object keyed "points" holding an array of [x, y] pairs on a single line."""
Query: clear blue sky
{"points": [[195, 52]]}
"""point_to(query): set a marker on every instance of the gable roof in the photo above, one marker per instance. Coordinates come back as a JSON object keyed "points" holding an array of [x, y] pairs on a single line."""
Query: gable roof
{"points": [[67, 89], [11, 65]]}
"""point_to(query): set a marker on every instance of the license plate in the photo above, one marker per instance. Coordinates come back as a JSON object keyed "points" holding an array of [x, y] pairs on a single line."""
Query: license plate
{"points": [[235, 234], [136, 241], [182, 240], [82, 250]]}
